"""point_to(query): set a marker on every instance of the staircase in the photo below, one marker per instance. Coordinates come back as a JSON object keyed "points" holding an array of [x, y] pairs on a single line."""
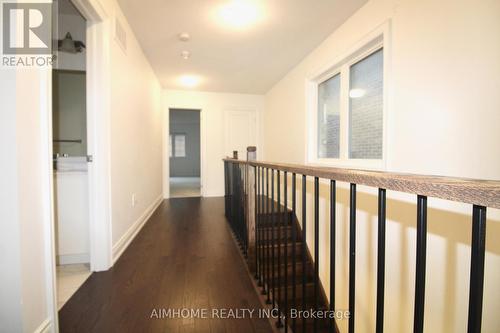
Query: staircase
{"points": [[272, 238], [287, 265]]}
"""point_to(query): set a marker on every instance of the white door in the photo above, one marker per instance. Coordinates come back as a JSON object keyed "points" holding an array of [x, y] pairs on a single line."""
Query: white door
{"points": [[241, 132]]}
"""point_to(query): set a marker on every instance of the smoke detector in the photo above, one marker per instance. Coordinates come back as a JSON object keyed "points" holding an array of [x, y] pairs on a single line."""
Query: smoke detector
{"points": [[184, 37], [185, 54]]}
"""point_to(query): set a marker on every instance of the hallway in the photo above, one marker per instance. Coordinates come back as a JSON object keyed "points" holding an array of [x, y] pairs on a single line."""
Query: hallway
{"points": [[184, 257], [184, 187]]}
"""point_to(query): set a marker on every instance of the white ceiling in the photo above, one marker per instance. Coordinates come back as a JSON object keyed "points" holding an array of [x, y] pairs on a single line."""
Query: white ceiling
{"points": [[229, 60]]}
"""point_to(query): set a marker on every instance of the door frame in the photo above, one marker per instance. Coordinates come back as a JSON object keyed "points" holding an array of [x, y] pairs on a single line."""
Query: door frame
{"points": [[98, 36], [166, 145], [98, 145]]}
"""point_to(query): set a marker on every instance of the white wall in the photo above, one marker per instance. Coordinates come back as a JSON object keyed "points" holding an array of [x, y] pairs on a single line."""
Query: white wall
{"points": [[76, 26], [136, 141], [10, 279], [25, 305], [71, 213], [69, 116], [136, 134], [213, 107], [443, 119]]}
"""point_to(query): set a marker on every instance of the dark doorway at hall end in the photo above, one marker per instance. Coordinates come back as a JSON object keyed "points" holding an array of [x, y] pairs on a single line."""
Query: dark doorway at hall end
{"points": [[185, 153]]}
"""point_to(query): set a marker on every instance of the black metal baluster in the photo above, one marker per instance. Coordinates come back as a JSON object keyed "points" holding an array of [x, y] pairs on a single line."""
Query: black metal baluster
{"points": [[237, 203], [278, 238], [304, 250], [233, 194], [234, 211], [316, 250], [268, 252], [242, 208], [256, 219], [478, 246], [241, 224], [273, 219], [230, 188], [333, 200], [381, 260], [238, 207], [285, 202], [245, 207], [261, 231], [418, 321], [294, 254], [352, 257], [225, 188]]}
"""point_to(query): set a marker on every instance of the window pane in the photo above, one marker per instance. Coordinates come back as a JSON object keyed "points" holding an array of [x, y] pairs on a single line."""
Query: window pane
{"points": [[170, 146], [328, 118], [180, 145], [365, 110]]}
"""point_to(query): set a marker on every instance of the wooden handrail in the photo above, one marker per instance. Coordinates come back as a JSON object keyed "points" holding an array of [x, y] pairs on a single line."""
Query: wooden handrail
{"points": [[269, 231], [476, 192]]}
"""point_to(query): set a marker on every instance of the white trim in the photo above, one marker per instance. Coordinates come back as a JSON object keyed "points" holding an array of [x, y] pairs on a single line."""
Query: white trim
{"points": [[166, 152], [202, 152], [130, 234], [98, 132], [45, 327], [375, 40], [77, 258], [98, 94], [92, 10], [48, 197]]}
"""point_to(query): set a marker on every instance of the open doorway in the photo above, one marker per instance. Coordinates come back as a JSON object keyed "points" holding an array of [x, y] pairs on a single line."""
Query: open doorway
{"points": [[185, 153], [69, 137]]}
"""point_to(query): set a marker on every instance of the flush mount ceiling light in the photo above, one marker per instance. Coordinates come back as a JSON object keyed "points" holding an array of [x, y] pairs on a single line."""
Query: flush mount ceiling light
{"points": [[239, 14], [184, 37], [189, 81]]}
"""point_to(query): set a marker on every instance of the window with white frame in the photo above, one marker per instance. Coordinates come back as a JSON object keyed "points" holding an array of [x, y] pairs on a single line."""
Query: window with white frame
{"points": [[177, 145], [347, 110]]}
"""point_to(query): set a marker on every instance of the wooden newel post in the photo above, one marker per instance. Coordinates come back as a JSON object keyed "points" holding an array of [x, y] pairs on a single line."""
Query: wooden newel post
{"points": [[250, 196]]}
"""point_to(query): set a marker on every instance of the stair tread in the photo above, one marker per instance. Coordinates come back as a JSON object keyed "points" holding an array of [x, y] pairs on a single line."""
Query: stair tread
{"points": [[276, 234]]}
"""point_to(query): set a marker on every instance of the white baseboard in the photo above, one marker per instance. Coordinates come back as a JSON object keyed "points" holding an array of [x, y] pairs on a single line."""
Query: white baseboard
{"points": [[78, 258], [45, 327], [125, 240]]}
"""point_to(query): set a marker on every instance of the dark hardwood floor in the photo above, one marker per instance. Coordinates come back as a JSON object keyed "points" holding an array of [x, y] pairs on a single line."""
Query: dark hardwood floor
{"points": [[184, 257]]}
